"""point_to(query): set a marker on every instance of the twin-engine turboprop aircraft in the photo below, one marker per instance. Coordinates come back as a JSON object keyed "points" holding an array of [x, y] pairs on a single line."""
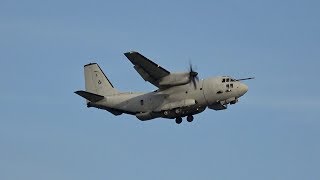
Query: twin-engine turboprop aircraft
{"points": [[178, 94]]}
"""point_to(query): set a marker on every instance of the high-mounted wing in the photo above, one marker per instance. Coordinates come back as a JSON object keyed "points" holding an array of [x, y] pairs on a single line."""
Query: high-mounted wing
{"points": [[148, 70]]}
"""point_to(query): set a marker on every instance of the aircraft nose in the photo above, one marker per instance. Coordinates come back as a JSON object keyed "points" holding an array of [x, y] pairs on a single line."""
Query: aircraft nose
{"points": [[244, 88]]}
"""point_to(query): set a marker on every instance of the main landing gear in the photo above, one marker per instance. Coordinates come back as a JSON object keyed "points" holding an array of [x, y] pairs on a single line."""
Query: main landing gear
{"points": [[179, 120], [189, 119]]}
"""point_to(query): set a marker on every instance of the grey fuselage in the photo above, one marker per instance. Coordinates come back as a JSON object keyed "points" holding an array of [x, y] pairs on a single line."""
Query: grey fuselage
{"points": [[176, 101]]}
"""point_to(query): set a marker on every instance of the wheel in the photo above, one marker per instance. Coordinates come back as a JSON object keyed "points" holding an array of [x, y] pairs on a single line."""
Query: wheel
{"points": [[178, 120], [190, 118]]}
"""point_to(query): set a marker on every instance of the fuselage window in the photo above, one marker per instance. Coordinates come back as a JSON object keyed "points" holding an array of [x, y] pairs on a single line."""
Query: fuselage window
{"points": [[231, 85], [227, 86], [141, 102]]}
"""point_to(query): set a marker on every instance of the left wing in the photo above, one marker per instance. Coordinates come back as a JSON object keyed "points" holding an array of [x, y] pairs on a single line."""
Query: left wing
{"points": [[148, 70]]}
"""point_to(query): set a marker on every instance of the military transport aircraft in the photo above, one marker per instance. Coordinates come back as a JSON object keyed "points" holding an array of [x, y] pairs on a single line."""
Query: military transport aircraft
{"points": [[178, 94]]}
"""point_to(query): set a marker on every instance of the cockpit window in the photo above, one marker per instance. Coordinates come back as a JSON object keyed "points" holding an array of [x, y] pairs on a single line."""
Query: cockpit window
{"points": [[228, 80], [227, 86], [232, 80], [231, 85], [223, 80]]}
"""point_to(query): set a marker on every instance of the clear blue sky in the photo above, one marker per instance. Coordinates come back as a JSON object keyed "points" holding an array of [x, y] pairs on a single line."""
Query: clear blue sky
{"points": [[46, 132]]}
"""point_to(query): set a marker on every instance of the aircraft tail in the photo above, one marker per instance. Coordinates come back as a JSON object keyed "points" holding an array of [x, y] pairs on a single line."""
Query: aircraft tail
{"points": [[97, 82]]}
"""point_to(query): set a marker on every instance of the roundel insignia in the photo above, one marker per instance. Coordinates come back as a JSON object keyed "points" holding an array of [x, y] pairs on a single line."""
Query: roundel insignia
{"points": [[99, 82]]}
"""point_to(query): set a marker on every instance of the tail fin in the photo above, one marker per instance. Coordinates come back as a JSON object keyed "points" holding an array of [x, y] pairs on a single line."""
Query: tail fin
{"points": [[97, 82]]}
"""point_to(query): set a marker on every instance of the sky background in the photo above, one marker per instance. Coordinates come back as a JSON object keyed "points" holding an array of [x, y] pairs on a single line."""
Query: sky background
{"points": [[46, 131]]}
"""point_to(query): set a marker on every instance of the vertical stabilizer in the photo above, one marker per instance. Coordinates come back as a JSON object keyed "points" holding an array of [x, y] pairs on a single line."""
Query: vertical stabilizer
{"points": [[97, 82]]}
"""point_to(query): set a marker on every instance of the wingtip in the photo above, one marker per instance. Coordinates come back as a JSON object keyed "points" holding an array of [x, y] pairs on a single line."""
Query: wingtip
{"points": [[130, 52]]}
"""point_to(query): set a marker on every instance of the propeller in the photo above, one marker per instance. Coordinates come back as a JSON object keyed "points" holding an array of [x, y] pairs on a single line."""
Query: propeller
{"points": [[244, 79], [193, 76]]}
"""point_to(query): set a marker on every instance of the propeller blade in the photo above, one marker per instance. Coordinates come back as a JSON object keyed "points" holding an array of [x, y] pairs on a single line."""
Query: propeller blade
{"points": [[244, 79], [194, 83], [197, 78], [190, 67], [193, 76]]}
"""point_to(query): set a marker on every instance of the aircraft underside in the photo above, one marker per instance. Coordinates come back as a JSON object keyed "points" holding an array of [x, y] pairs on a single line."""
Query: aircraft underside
{"points": [[144, 116]]}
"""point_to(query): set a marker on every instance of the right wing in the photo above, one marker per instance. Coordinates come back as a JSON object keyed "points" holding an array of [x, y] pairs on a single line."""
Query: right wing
{"points": [[148, 70]]}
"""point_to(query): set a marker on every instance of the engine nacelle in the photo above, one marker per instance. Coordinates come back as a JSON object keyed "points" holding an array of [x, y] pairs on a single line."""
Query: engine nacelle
{"points": [[175, 79]]}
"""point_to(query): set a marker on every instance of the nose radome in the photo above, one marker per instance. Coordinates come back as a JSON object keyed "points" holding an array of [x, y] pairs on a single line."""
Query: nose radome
{"points": [[244, 88]]}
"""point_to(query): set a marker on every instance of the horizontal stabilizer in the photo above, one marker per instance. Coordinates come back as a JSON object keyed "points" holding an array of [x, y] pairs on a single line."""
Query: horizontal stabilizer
{"points": [[89, 96]]}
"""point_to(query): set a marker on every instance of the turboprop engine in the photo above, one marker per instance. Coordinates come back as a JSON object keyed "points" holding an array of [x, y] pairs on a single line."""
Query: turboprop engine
{"points": [[175, 79]]}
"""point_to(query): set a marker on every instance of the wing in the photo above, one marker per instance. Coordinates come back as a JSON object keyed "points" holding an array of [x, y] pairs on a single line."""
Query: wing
{"points": [[148, 70]]}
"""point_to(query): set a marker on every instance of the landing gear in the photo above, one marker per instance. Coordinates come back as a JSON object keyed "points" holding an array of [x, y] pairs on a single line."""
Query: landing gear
{"points": [[190, 118], [178, 120]]}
